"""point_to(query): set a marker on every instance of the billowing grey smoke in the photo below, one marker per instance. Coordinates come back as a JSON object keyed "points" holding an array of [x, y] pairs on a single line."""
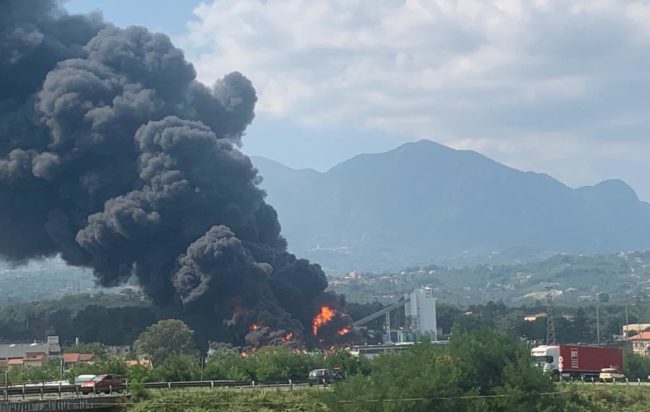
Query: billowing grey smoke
{"points": [[115, 157]]}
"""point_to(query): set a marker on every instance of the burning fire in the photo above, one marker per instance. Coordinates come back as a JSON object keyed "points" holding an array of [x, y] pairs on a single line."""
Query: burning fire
{"points": [[325, 315], [343, 331], [254, 326], [289, 336]]}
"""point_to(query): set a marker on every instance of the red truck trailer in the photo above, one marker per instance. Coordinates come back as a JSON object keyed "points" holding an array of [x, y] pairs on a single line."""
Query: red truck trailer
{"points": [[577, 360]]}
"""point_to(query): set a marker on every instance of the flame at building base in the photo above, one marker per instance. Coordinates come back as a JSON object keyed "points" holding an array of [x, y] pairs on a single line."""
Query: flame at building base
{"points": [[325, 315], [332, 326], [343, 331]]}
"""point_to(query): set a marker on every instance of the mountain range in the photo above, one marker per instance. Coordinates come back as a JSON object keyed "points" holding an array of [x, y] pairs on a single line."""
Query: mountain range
{"points": [[424, 203]]}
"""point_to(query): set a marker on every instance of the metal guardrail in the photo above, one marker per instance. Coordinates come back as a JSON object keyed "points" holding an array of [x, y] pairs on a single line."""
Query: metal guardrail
{"points": [[219, 383], [59, 389], [614, 381]]}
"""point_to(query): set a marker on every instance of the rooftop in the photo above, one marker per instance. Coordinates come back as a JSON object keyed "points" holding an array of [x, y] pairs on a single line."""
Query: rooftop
{"points": [[78, 357], [641, 336], [19, 350]]}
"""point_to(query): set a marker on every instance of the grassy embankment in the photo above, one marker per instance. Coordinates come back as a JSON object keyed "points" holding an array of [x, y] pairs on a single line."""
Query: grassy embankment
{"points": [[577, 397]]}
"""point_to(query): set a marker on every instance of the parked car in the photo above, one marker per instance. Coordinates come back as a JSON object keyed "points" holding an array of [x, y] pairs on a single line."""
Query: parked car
{"points": [[323, 376], [103, 383], [611, 374]]}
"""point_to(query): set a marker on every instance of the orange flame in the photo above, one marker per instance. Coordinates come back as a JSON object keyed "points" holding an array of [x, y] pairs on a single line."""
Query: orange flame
{"points": [[289, 336], [343, 331], [325, 315], [254, 326]]}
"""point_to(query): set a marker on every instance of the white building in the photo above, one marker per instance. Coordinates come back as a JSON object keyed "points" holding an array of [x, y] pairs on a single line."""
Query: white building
{"points": [[420, 311]]}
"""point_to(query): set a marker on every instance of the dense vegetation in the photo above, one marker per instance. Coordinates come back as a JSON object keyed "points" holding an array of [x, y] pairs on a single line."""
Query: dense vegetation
{"points": [[478, 371], [572, 398], [485, 367], [231, 401], [112, 319], [269, 364], [119, 319], [573, 279], [612, 282], [624, 277]]}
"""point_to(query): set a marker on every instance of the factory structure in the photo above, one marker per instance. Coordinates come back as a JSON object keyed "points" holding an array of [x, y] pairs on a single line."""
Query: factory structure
{"points": [[419, 308], [420, 313]]}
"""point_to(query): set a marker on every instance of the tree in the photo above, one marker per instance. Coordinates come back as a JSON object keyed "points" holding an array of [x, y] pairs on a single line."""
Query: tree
{"points": [[471, 322], [227, 363], [446, 315], [421, 375], [165, 338], [178, 368], [479, 370], [581, 329], [635, 366]]}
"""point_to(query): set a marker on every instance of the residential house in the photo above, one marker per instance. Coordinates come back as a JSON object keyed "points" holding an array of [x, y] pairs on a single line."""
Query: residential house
{"points": [[13, 363], [635, 327], [533, 318], [71, 360], [145, 363], [641, 343], [118, 350], [34, 359]]}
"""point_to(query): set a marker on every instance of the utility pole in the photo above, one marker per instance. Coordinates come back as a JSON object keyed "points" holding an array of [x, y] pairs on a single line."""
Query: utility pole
{"points": [[627, 322], [598, 323], [387, 321], [550, 322]]}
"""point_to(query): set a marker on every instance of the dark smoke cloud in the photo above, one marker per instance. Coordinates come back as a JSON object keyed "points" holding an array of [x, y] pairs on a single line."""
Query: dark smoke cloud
{"points": [[114, 156]]}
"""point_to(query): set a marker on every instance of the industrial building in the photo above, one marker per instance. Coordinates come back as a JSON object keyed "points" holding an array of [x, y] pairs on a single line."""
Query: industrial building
{"points": [[420, 322]]}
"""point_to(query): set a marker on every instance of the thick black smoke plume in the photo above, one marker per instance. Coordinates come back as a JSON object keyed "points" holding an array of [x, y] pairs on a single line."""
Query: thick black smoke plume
{"points": [[114, 156]]}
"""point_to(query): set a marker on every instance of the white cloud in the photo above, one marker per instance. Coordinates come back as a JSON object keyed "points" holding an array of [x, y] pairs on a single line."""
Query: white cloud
{"points": [[520, 80]]}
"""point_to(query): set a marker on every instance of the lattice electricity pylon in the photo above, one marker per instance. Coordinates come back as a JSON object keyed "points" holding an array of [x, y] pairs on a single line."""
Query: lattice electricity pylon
{"points": [[550, 322]]}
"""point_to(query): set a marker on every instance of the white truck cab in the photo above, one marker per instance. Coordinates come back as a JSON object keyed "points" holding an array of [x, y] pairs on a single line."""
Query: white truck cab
{"points": [[547, 357]]}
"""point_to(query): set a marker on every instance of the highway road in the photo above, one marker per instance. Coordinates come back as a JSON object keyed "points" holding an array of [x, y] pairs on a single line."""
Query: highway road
{"points": [[53, 392]]}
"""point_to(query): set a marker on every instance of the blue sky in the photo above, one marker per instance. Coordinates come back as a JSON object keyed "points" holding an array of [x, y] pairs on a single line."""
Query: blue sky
{"points": [[167, 16], [555, 86]]}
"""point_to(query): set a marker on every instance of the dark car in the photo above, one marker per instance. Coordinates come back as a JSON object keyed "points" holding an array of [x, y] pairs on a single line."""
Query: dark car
{"points": [[323, 376], [103, 383]]}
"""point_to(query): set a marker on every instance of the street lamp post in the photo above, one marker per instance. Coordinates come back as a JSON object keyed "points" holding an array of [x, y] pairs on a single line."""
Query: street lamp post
{"points": [[598, 323]]}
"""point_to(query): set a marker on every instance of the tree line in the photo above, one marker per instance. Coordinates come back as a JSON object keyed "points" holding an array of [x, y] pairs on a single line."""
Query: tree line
{"points": [[481, 369], [118, 319]]}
